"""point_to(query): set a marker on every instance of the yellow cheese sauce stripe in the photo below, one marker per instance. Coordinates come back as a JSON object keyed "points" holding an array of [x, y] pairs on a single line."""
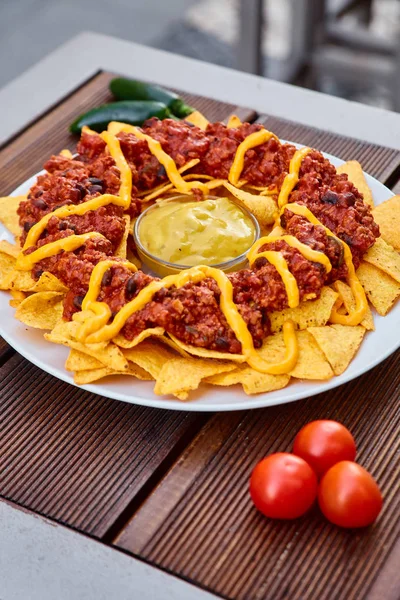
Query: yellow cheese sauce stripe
{"points": [[289, 361], [66, 211], [289, 281], [358, 291], [291, 240], [251, 141], [92, 333], [25, 262], [123, 199], [163, 158], [292, 178], [114, 148], [101, 310]]}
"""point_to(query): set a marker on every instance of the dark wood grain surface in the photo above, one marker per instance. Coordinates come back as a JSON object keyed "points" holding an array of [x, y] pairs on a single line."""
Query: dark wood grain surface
{"points": [[208, 531], [171, 487]]}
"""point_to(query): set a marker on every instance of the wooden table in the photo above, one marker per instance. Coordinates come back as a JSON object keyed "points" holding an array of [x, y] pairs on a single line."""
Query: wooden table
{"points": [[170, 488]]}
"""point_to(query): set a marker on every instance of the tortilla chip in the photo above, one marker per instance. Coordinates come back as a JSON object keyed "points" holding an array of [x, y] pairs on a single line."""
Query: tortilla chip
{"points": [[339, 343], [121, 251], [185, 374], [264, 208], [311, 313], [354, 171], [8, 213], [253, 382], [105, 352], [196, 118], [79, 361], [122, 342], [7, 268], [387, 215], [17, 298], [22, 281], [151, 356], [91, 375], [383, 256], [169, 342], [233, 122], [205, 353], [42, 310], [311, 363], [10, 249], [381, 289], [346, 295]]}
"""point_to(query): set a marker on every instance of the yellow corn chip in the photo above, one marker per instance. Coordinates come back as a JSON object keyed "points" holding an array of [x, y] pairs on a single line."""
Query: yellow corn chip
{"points": [[10, 249], [42, 310], [387, 215], [233, 122], [383, 256], [311, 313], [8, 213], [354, 171], [196, 118], [92, 375], [252, 381], [311, 363], [122, 342], [79, 361], [381, 289], [346, 295], [184, 374], [150, 356], [205, 353], [22, 281], [107, 353], [7, 266], [339, 343], [264, 208]]}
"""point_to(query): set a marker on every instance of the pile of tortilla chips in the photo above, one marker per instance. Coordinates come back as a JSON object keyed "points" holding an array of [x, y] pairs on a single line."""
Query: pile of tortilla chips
{"points": [[177, 369]]}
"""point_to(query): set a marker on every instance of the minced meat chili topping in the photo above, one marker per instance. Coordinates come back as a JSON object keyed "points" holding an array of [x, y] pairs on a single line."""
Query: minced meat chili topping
{"points": [[192, 313]]}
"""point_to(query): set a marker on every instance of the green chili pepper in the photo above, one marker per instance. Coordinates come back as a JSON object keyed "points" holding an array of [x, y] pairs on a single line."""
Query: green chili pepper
{"points": [[129, 89], [134, 113]]}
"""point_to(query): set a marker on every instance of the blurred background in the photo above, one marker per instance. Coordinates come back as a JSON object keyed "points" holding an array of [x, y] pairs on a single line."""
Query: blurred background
{"points": [[349, 48]]}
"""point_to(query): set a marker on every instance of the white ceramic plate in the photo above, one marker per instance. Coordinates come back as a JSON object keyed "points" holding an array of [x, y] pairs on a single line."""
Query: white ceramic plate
{"points": [[376, 346]]}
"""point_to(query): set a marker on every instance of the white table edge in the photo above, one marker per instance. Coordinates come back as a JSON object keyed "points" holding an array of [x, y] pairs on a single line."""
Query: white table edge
{"points": [[73, 63], [43, 560]]}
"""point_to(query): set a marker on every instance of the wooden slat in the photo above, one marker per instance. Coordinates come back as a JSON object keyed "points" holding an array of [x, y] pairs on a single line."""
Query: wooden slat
{"points": [[378, 161], [396, 187], [78, 457], [200, 522], [5, 351]]}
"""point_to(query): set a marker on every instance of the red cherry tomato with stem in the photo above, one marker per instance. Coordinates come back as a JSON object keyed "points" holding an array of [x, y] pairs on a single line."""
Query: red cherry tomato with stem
{"points": [[349, 496], [323, 444], [283, 486]]}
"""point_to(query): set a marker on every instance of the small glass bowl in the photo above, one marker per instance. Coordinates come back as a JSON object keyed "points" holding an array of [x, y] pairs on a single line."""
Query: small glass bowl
{"points": [[164, 268]]}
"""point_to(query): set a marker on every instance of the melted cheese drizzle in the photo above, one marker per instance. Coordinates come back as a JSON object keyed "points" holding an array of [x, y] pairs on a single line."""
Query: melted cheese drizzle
{"points": [[292, 178], [25, 262], [280, 264], [95, 328], [251, 141], [358, 291], [168, 163]]}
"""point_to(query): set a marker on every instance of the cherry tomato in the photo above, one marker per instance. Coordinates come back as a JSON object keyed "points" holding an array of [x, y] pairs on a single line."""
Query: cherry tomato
{"points": [[323, 444], [349, 496], [283, 486]]}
